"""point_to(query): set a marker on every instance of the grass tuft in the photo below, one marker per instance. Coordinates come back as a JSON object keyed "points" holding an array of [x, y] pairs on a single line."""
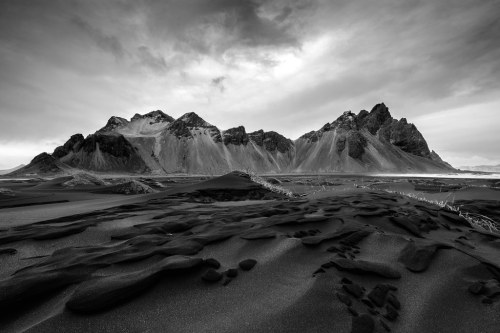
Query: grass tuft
{"points": [[264, 183], [477, 221]]}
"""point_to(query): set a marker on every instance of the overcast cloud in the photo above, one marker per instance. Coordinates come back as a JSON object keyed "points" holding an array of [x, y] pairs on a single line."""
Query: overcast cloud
{"points": [[66, 66]]}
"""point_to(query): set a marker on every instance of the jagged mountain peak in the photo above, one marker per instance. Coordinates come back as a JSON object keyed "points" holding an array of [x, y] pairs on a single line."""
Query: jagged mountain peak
{"points": [[381, 108], [346, 121], [43, 163], [191, 119], [139, 125], [380, 124], [183, 126], [114, 123], [373, 120], [72, 145], [156, 116], [236, 136], [271, 141]]}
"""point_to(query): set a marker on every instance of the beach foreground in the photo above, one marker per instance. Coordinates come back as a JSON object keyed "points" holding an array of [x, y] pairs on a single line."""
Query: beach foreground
{"points": [[228, 255]]}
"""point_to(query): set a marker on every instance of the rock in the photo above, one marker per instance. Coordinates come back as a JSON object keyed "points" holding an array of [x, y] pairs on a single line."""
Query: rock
{"points": [[363, 324], [271, 141], [211, 262], [405, 136], [236, 136], [374, 119], [247, 264], [211, 276], [356, 144]]}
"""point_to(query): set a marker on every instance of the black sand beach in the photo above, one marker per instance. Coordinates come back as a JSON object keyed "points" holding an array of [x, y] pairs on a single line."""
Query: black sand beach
{"points": [[228, 255]]}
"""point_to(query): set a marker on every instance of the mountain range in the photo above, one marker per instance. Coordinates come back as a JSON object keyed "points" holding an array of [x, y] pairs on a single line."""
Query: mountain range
{"points": [[156, 143]]}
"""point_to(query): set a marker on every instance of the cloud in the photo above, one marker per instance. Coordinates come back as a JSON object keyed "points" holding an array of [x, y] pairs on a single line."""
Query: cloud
{"points": [[105, 42], [285, 13], [218, 82], [216, 27], [155, 63], [297, 64]]}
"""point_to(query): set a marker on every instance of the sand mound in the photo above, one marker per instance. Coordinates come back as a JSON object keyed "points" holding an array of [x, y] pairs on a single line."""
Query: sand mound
{"points": [[234, 186], [80, 179], [131, 187]]}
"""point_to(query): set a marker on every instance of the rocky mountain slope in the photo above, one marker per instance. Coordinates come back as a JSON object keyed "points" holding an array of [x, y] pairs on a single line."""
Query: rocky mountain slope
{"points": [[157, 143], [368, 141]]}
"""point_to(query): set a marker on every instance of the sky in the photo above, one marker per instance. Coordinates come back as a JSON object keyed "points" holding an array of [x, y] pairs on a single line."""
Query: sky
{"points": [[67, 66]]}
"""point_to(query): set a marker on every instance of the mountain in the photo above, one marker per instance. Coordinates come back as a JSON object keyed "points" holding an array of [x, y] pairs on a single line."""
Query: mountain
{"points": [[369, 141], [157, 143], [42, 164], [4, 172], [482, 168]]}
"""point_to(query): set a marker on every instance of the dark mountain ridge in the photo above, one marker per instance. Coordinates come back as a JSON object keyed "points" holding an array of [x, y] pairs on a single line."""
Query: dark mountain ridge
{"points": [[157, 143]]}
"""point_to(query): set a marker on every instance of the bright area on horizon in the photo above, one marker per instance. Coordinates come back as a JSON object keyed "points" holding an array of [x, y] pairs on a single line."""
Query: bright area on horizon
{"points": [[67, 66]]}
